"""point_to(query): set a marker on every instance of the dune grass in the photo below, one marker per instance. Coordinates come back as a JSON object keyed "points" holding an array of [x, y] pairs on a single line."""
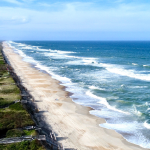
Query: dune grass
{"points": [[9, 92], [14, 119], [25, 145], [20, 132], [14, 133], [17, 106]]}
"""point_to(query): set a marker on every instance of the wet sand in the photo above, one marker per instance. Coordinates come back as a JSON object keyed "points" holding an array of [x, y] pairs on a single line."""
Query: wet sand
{"points": [[71, 122]]}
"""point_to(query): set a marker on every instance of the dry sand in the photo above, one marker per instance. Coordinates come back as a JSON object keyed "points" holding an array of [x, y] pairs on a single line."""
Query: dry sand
{"points": [[71, 122]]}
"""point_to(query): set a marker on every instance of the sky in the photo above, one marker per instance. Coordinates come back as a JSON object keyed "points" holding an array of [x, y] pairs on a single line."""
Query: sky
{"points": [[75, 20]]}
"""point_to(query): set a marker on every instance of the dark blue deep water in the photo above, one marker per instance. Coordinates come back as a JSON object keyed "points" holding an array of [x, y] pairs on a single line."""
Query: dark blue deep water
{"points": [[111, 77]]}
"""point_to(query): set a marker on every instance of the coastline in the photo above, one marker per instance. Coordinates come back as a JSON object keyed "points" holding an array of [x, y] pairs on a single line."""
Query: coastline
{"points": [[71, 122]]}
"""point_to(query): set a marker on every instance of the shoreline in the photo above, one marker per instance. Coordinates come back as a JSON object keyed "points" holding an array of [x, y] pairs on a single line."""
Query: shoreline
{"points": [[66, 122]]}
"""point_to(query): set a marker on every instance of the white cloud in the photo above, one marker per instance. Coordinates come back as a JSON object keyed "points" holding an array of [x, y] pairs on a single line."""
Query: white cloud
{"points": [[77, 17]]}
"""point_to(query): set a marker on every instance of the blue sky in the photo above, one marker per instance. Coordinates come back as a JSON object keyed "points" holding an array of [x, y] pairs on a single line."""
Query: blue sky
{"points": [[74, 20]]}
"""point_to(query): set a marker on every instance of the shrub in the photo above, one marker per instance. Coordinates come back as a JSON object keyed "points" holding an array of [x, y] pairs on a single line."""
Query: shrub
{"points": [[16, 106], [14, 90], [25, 145], [30, 132], [13, 119], [5, 103], [14, 133]]}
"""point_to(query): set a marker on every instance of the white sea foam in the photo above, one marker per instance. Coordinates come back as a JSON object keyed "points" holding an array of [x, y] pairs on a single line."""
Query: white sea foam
{"points": [[25, 57], [103, 101], [42, 50], [146, 65], [22, 54], [83, 61], [89, 60], [146, 103], [111, 68], [63, 52], [71, 56], [128, 127], [96, 88], [27, 47], [129, 73], [148, 109], [55, 55], [17, 44], [11, 42], [112, 97], [55, 76], [135, 111], [37, 47], [137, 87], [146, 125], [134, 64], [130, 130], [93, 87], [20, 44], [123, 85], [59, 54]]}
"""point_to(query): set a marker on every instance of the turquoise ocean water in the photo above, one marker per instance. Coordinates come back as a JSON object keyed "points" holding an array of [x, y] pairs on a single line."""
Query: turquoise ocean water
{"points": [[111, 77]]}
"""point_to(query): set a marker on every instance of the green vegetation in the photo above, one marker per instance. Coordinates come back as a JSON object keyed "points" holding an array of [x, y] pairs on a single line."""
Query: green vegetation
{"points": [[20, 132], [14, 133], [4, 102], [25, 145], [17, 106], [9, 92], [3, 68], [14, 117], [30, 132]]}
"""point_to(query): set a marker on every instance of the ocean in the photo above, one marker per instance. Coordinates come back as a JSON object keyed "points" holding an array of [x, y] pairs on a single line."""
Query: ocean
{"points": [[113, 78]]}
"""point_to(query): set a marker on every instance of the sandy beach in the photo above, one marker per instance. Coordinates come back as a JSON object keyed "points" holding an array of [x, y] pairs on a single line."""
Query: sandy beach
{"points": [[72, 123]]}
